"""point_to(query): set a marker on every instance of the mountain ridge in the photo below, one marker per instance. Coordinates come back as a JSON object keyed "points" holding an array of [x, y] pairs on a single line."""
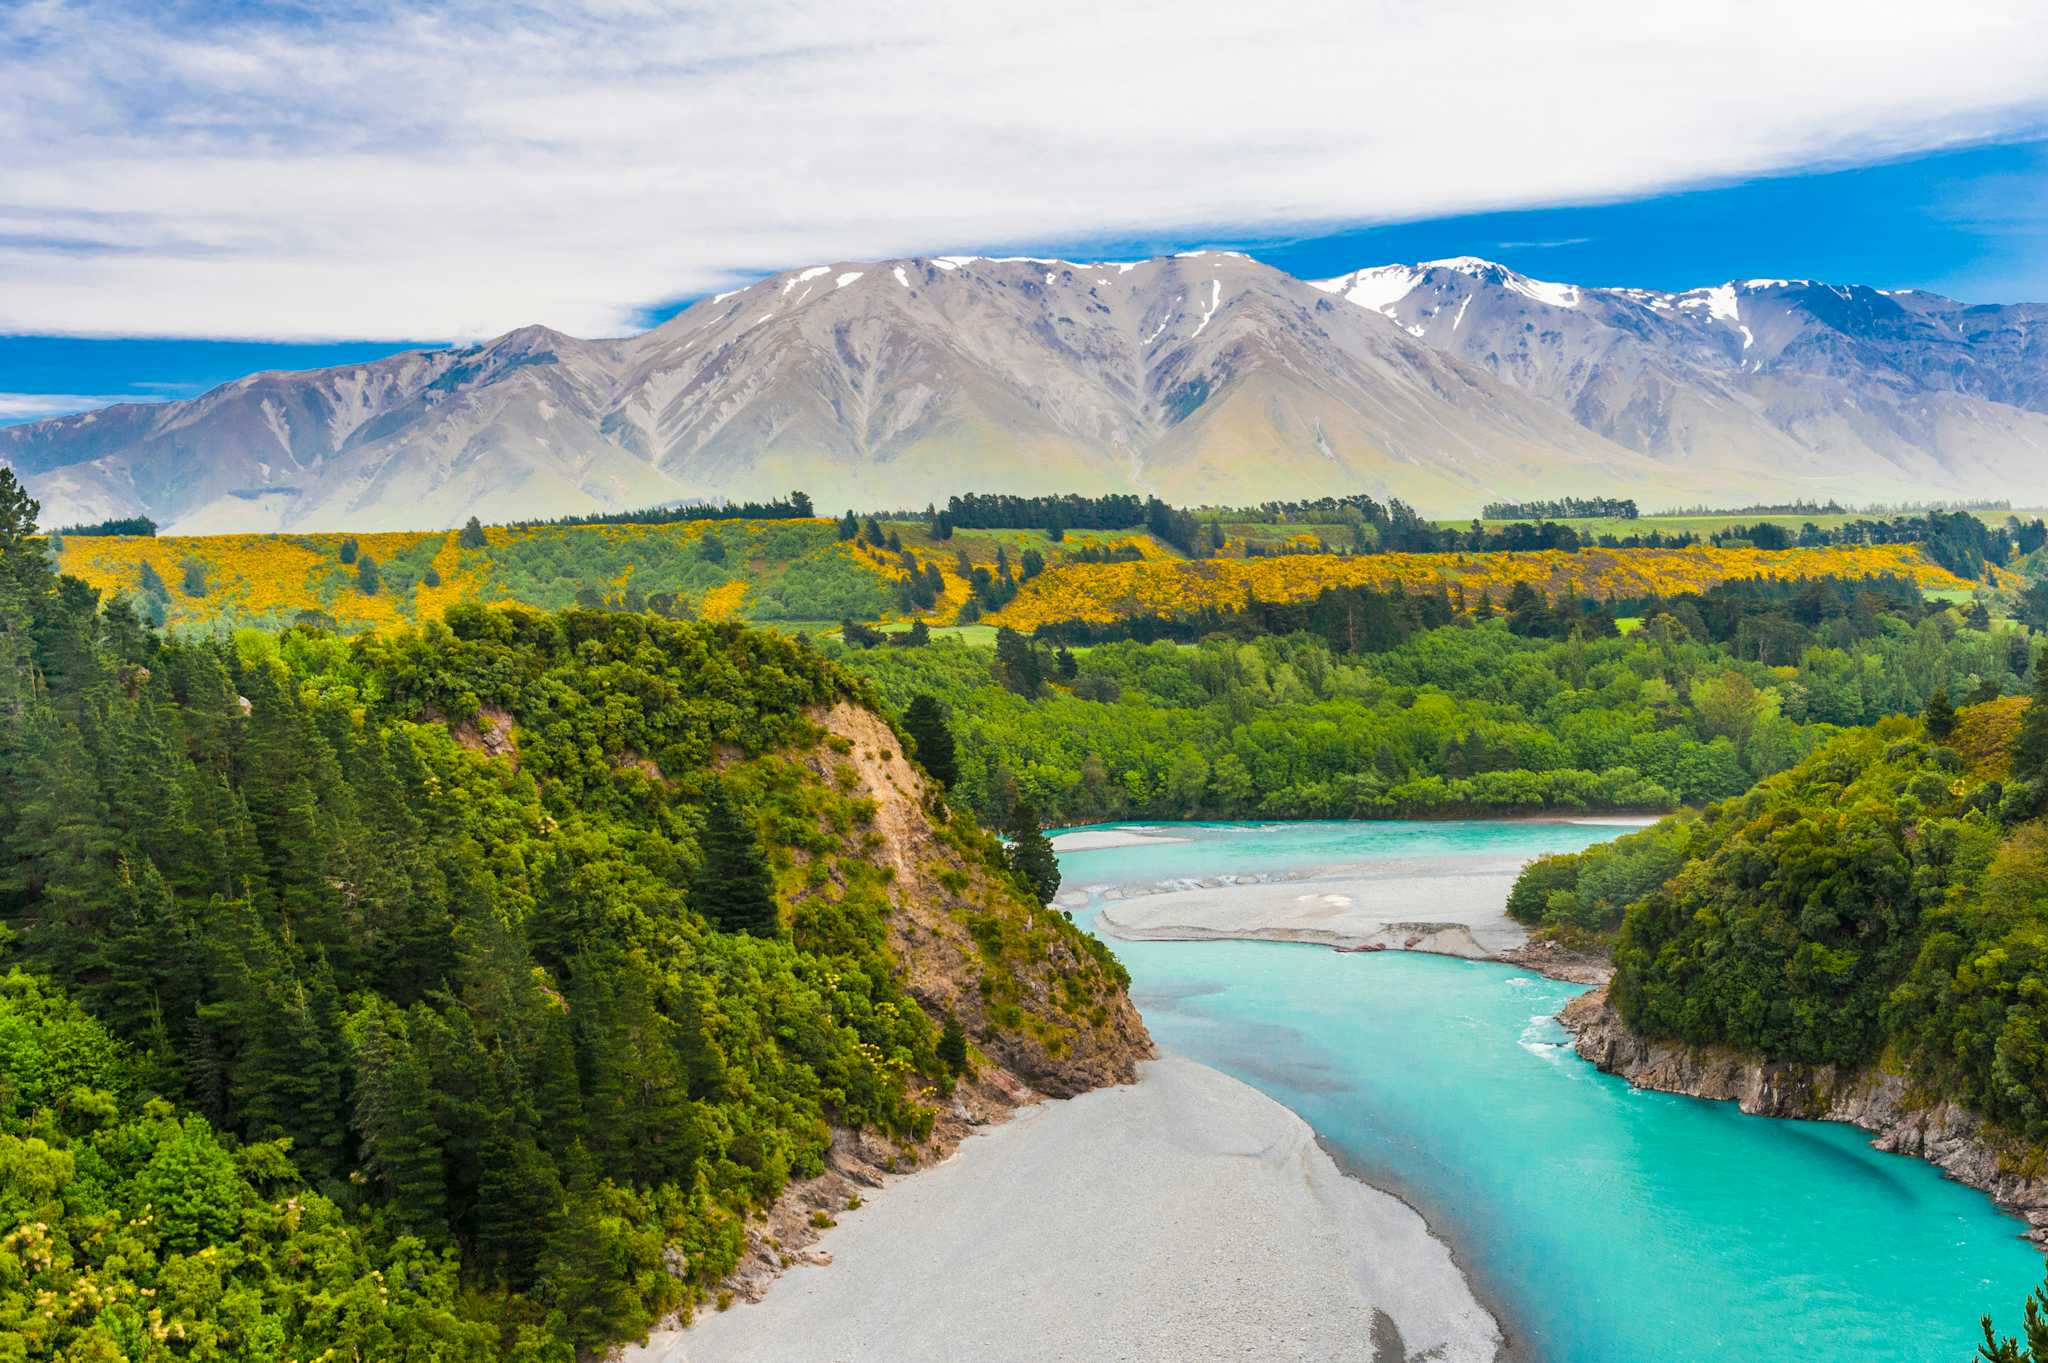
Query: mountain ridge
{"points": [[1200, 377]]}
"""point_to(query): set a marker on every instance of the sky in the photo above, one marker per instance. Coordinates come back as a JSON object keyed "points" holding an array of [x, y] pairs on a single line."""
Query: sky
{"points": [[195, 189]]}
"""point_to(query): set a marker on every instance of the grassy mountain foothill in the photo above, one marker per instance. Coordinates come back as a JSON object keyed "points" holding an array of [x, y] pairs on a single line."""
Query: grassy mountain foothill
{"points": [[412, 997]]}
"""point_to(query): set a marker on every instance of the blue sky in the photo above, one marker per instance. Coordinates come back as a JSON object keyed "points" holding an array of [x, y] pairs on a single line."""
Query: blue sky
{"points": [[195, 191]]}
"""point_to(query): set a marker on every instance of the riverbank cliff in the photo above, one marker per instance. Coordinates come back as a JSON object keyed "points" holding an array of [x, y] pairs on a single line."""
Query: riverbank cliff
{"points": [[1900, 1120]]}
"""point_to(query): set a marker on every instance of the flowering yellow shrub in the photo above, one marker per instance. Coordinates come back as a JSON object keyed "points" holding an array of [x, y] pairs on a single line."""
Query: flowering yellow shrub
{"points": [[246, 575], [1106, 591], [722, 603]]}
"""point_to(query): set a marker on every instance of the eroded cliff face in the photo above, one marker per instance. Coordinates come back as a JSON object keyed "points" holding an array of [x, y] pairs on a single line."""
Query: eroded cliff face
{"points": [[1048, 1015], [1952, 1138]]}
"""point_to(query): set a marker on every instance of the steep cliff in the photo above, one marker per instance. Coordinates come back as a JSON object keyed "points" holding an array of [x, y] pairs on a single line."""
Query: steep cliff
{"points": [[1901, 1120]]}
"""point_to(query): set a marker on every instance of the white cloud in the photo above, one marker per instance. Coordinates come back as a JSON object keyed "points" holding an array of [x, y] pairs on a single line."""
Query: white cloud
{"points": [[35, 406], [460, 170]]}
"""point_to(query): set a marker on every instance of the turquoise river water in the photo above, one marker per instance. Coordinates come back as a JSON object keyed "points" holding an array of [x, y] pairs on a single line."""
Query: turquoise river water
{"points": [[1607, 1225]]}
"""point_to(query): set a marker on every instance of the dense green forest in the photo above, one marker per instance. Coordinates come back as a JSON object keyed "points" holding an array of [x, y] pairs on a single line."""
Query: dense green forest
{"points": [[458, 992], [1472, 717], [1886, 898]]}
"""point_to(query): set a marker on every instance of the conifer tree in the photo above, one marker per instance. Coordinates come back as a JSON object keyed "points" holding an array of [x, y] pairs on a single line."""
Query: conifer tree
{"points": [[932, 738], [733, 888], [1940, 716], [953, 1045], [394, 1119], [472, 536], [1031, 854]]}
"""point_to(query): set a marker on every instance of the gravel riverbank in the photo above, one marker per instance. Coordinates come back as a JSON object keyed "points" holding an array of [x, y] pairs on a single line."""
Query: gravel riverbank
{"points": [[1186, 1216]]}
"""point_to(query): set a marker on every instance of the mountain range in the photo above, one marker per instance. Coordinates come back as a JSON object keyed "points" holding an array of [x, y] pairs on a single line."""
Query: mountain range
{"points": [[1204, 378]]}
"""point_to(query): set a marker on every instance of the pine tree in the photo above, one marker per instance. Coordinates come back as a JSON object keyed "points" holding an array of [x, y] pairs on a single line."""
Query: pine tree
{"points": [[2034, 1325], [394, 1119], [1940, 715], [733, 888], [932, 737], [518, 1200], [368, 578], [1018, 665], [472, 536], [1031, 854], [953, 1045]]}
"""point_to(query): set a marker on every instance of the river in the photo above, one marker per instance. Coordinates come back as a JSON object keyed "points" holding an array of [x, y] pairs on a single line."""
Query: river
{"points": [[1607, 1225]]}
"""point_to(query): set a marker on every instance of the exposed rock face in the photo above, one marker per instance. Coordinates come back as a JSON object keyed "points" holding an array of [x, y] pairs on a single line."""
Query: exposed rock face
{"points": [[1815, 383], [938, 955], [1947, 1136]]}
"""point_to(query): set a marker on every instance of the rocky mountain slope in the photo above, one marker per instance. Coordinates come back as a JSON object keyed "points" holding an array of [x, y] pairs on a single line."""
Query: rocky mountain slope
{"points": [[1823, 389], [1197, 377], [1201, 377]]}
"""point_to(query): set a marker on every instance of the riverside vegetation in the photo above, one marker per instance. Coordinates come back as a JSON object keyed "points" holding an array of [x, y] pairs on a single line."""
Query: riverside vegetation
{"points": [[1882, 903], [1387, 704], [460, 992]]}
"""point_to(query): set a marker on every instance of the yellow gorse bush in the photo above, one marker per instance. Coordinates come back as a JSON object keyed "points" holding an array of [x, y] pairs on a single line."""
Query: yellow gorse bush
{"points": [[1107, 591], [273, 577]]}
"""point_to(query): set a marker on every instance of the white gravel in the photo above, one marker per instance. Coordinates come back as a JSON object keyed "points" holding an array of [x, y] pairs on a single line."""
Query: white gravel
{"points": [[1453, 905], [1184, 1218], [1096, 839]]}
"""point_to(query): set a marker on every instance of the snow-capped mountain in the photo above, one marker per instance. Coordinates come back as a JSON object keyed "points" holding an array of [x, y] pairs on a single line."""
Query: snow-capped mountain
{"points": [[1200, 377], [1844, 387], [871, 384]]}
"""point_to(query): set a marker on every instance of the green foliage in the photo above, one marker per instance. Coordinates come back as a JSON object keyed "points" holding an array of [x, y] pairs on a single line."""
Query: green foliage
{"points": [[2034, 1326], [368, 579], [931, 738], [1866, 903], [2030, 749], [130, 1232], [952, 1049], [732, 888], [794, 569], [1940, 715], [375, 1012], [1031, 854], [472, 535], [1463, 719]]}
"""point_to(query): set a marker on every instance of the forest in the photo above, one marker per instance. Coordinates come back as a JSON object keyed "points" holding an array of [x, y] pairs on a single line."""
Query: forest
{"points": [[458, 992], [1886, 897], [1376, 706]]}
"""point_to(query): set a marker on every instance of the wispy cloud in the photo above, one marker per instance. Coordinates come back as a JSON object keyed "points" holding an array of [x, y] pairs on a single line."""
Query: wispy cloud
{"points": [[35, 406], [457, 169], [1541, 245]]}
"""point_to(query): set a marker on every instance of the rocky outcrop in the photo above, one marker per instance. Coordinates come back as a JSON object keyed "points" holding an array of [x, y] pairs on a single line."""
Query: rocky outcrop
{"points": [[1901, 1120]]}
